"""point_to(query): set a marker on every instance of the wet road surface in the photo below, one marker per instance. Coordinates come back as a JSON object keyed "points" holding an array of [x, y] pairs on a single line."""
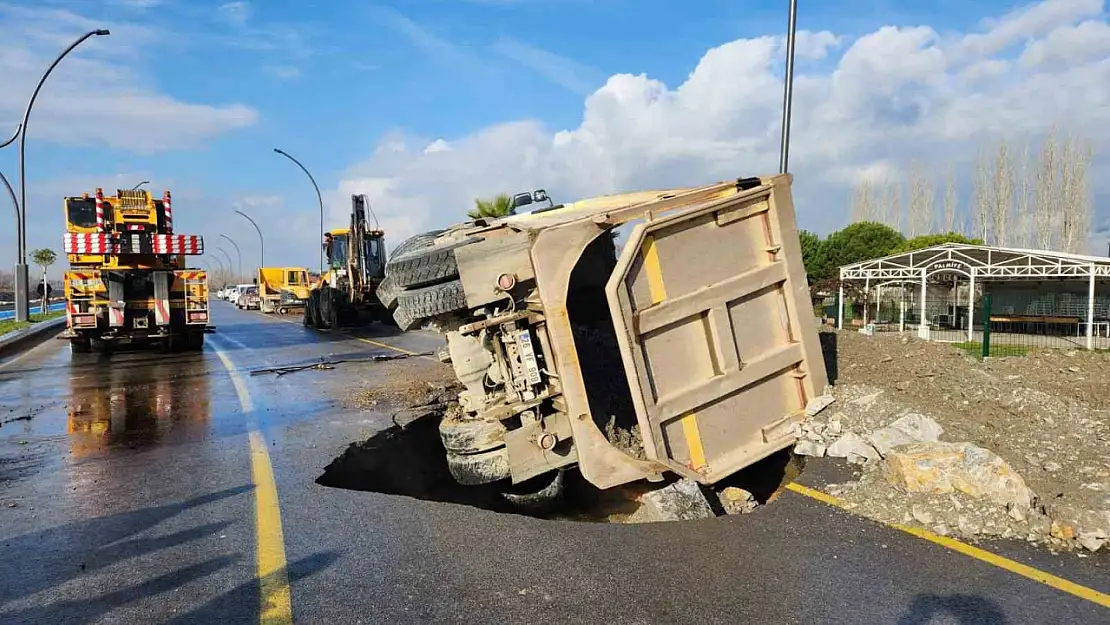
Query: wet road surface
{"points": [[129, 494]]}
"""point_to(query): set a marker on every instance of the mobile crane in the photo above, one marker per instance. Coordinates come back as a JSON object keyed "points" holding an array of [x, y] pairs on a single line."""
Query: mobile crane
{"points": [[128, 280]]}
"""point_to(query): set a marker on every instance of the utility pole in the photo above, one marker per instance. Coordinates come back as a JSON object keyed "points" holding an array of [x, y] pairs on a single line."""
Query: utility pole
{"points": [[788, 88]]}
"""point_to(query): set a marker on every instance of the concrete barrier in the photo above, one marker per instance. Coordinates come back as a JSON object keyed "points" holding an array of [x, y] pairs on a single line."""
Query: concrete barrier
{"points": [[20, 340]]}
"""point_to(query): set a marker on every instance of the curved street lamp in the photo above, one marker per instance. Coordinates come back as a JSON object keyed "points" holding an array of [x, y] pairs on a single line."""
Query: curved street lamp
{"points": [[237, 252], [230, 263], [140, 184], [21, 301], [319, 199], [261, 240], [15, 200]]}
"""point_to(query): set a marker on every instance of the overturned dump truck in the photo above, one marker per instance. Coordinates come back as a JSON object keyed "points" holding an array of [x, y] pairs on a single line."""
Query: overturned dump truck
{"points": [[689, 350]]}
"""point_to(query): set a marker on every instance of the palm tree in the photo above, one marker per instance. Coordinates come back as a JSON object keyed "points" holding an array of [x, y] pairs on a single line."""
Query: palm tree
{"points": [[44, 258], [499, 206]]}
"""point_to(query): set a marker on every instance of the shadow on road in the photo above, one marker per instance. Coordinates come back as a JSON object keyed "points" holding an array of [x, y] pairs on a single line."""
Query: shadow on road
{"points": [[242, 602], [50, 558], [962, 609], [88, 610]]}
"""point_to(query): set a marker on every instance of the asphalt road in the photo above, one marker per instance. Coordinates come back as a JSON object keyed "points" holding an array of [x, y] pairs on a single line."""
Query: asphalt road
{"points": [[130, 494]]}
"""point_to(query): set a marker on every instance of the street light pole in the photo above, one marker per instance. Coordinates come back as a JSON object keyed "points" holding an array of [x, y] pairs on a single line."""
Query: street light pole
{"points": [[788, 88], [21, 300], [15, 201], [230, 263], [140, 184], [261, 240], [318, 199], [237, 252]]}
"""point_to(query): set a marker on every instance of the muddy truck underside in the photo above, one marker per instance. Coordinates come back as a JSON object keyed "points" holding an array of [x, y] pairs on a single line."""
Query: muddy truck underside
{"points": [[690, 350]]}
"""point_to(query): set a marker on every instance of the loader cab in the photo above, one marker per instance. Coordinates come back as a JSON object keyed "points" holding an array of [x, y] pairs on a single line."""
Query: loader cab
{"points": [[336, 248], [374, 253]]}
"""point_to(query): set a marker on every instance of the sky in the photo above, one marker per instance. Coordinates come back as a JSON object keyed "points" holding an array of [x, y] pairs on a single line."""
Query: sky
{"points": [[424, 105]]}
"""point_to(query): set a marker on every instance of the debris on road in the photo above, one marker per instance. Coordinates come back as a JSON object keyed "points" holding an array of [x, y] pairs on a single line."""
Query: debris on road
{"points": [[324, 364], [1013, 447]]}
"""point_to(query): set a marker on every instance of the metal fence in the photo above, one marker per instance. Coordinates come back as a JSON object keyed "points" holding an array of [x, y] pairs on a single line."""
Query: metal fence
{"points": [[985, 322]]}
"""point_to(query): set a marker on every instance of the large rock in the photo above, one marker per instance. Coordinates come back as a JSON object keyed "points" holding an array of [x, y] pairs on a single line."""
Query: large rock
{"points": [[946, 467], [852, 445], [918, 427], [681, 501], [885, 439]]}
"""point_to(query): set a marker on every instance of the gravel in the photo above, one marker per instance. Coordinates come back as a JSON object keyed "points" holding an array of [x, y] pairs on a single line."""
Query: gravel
{"points": [[1047, 415]]}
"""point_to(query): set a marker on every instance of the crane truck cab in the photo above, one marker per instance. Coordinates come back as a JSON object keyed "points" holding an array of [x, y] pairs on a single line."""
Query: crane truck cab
{"points": [[129, 280]]}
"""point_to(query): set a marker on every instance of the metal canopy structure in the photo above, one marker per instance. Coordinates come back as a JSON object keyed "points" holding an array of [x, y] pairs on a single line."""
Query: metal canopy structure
{"points": [[976, 263], [979, 260]]}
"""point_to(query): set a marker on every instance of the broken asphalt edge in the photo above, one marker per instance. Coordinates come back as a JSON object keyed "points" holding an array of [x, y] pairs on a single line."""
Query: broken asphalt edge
{"points": [[18, 341]]}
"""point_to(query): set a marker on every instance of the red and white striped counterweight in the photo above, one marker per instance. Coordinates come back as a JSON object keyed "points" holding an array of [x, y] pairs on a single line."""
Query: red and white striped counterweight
{"points": [[87, 243], [178, 244]]}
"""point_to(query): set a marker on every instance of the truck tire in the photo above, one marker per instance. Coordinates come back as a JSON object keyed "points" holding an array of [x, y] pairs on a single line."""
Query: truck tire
{"points": [[80, 345], [308, 321], [471, 436], [194, 341], [427, 265], [483, 468], [420, 305], [416, 241], [387, 293], [538, 494]]}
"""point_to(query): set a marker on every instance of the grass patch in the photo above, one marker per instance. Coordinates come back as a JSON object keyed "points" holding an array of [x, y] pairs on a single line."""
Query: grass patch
{"points": [[975, 348], [11, 325]]}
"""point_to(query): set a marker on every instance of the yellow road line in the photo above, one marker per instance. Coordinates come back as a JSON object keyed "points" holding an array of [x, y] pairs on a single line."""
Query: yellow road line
{"points": [[273, 578], [983, 555]]}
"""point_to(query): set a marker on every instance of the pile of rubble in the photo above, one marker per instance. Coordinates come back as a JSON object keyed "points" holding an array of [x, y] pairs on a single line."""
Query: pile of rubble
{"points": [[943, 457]]}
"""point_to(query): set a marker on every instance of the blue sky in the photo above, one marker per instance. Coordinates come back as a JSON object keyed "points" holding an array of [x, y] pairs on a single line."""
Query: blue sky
{"points": [[212, 87]]}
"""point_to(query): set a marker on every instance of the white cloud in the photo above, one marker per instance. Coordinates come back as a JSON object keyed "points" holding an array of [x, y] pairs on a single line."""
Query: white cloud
{"points": [[897, 93], [815, 46], [113, 108]]}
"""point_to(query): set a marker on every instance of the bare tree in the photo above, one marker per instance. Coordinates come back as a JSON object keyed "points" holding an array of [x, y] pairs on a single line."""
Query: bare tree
{"points": [[950, 199], [1023, 232], [1002, 194], [919, 214], [1074, 194], [1045, 194], [863, 206], [892, 207], [983, 198]]}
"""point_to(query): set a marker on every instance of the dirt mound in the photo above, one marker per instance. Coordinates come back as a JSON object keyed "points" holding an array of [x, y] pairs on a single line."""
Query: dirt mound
{"points": [[1047, 414]]}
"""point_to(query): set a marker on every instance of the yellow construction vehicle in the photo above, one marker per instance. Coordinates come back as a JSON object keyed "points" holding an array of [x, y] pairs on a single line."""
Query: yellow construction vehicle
{"points": [[347, 291], [128, 280], [281, 289]]}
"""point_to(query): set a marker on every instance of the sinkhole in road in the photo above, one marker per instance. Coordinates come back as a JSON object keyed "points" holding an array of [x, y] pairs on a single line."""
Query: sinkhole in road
{"points": [[410, 461]]}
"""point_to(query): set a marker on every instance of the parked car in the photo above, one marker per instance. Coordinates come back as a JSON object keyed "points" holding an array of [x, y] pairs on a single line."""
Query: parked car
{"points": [[249, 299]]}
